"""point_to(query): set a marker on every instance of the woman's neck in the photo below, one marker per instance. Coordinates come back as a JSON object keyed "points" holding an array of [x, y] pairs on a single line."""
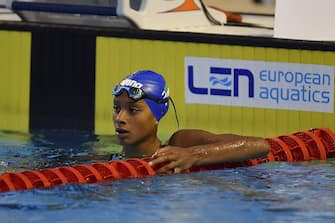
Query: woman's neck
{"points": [[146, 148]]}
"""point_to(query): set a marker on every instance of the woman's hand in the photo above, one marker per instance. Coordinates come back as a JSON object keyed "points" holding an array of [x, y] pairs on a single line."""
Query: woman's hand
{"points": [[173, 158], [216, 149]]}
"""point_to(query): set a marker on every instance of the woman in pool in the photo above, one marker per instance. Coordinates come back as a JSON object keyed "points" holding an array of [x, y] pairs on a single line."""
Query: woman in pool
{"points": [[141, 100]]}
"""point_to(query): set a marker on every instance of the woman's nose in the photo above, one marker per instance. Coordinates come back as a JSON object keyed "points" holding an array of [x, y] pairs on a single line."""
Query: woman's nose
{"points": [[121, 116]]}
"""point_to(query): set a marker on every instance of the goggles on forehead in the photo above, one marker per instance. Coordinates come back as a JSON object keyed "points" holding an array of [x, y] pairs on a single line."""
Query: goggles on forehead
{"points": [[136, 94]]}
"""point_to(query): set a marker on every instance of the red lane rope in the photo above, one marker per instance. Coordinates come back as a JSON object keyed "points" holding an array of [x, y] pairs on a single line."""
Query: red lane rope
{"points": [[26, 180], [78, 175], [328, 139], [301, 146], [314, 145], [6, 179], [125, 168], [142, 165], [112, 169], [41, 177], [59, 174], [95, 173], [286, 150]]}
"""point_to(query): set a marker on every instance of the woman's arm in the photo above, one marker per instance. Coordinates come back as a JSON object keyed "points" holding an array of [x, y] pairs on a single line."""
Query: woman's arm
{"points": [[188, 148], [196, 137]]}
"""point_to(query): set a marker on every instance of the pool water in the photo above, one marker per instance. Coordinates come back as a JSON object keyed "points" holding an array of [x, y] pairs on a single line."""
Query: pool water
{"points": [[271, 192]]}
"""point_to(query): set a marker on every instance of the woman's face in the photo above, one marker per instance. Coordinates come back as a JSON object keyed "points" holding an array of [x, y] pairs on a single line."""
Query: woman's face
{"points": [[133, 121]]}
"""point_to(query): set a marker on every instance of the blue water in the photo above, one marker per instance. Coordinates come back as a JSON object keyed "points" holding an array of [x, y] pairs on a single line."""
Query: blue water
{"points": [[272, 192]]}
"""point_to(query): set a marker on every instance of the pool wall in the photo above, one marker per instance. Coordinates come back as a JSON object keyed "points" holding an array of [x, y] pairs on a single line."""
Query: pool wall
{"points": [[14, 79], [61, 77]]}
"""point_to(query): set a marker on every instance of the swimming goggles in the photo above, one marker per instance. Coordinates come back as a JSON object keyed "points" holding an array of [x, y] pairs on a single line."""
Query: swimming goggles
{"points": [[136, 94]]}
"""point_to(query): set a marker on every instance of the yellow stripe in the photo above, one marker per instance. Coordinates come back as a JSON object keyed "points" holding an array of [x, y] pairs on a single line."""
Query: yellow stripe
{"points": [[117, 57], [14, 80]]}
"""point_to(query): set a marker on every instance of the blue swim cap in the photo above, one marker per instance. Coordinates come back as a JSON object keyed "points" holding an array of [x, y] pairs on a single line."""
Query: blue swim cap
{"points": [[156, 92]]}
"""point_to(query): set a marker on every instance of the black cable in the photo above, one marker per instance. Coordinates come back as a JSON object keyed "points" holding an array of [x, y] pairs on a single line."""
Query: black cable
{"points": [[216, 22], [247, 24], [208, 15]]}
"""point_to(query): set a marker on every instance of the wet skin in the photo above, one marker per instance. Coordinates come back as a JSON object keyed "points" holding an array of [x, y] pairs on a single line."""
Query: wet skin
{"points": [[136, 129]]}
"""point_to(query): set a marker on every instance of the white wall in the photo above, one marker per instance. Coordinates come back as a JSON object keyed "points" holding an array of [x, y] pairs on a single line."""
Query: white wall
{"points": [[305, 19]]}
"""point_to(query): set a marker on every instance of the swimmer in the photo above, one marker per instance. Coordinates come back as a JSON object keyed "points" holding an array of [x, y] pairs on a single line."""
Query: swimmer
{"points": [[140, 102]]}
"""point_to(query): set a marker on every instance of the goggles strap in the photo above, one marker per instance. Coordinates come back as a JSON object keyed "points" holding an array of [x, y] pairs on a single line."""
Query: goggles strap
{"points": [[175, 112]]}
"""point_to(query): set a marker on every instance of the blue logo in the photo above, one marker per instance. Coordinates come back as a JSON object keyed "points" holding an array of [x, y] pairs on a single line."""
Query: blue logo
{"points": [[225, 85], [216, 81], [260, 84]]}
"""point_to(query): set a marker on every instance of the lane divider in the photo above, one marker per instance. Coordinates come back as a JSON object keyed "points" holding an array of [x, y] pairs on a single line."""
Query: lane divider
{"points": [[314, 144]]}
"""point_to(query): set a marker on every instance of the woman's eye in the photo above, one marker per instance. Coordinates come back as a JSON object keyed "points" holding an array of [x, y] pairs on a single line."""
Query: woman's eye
{"points": [[133, 109], [116, 108]]}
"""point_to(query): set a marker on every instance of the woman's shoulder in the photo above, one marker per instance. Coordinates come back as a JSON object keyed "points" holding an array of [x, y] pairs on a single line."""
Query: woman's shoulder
{"points": [[189, 137], [193, 133]]}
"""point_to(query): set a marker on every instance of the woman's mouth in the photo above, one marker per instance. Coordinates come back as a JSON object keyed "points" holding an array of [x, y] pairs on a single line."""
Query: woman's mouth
{"points": [[121, 133]]}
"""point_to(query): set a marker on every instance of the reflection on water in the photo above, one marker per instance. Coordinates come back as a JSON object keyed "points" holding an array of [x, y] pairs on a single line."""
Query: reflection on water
{"points": [[52, 148], [272, 192]]}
